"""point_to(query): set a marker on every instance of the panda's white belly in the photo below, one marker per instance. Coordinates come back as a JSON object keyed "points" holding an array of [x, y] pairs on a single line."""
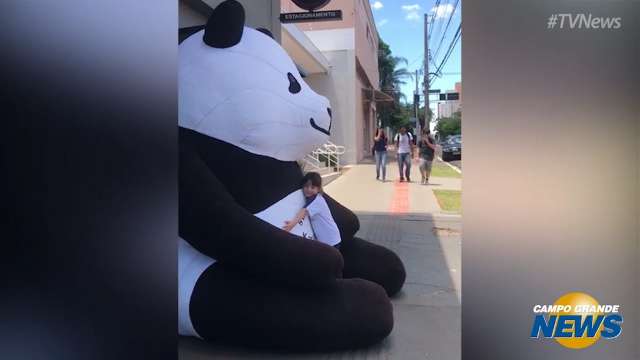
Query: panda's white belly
{"points": [[192, 263]]}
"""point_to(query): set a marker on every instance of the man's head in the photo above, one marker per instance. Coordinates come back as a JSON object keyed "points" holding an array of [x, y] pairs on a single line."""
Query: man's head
{"points": [[403, 130]]}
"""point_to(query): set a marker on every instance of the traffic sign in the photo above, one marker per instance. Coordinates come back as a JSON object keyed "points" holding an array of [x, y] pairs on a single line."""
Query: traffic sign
{"points": [[450, 96]]}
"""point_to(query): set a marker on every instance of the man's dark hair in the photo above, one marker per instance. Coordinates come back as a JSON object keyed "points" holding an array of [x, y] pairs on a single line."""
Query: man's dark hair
{"points": [[314, 177]]}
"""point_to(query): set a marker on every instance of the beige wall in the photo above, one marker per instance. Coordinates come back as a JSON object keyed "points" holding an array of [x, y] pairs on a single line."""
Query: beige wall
{"points": [[259, 13], [336, 87], [366, 37], [365, 117], [188, 17], [356, 14]]}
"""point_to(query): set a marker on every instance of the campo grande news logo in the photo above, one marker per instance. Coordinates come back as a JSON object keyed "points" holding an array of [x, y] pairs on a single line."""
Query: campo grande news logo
{"points": [[576, 320]]}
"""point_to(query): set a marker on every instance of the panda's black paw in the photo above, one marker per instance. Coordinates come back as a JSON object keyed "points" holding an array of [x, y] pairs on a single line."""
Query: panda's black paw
{"points": [[363, 259]]}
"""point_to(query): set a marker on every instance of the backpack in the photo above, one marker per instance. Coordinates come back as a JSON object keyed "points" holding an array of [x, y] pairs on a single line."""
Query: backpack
{"points": [[397, 137]]}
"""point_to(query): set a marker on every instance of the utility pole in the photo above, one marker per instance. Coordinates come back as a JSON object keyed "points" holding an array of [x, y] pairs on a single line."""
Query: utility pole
{"points": [[426, 72], [416, 100]]}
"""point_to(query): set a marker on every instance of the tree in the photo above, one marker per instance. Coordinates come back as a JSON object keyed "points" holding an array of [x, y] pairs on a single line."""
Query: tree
{"points": [[449, 125], [392, 76], [424, 123]]}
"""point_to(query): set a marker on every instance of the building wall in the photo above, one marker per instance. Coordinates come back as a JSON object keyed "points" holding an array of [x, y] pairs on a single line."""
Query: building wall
{"points": [[258, 13], [458, 89], [343, 103], [365, 113], [447, 108], [333, 39], [188, 16], [351, 46], [366, 37], [347, 7], [356, 15]]}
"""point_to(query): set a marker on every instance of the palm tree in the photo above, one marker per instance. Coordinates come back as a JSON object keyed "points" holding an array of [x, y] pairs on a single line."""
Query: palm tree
{"points": [[392, 77]]}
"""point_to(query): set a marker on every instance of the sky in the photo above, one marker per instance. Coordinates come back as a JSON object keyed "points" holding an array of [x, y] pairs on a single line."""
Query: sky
{"points": [[400, 24]]}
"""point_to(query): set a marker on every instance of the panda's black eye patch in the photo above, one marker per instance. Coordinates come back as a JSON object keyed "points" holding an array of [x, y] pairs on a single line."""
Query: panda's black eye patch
{"points": [[294, 85]]}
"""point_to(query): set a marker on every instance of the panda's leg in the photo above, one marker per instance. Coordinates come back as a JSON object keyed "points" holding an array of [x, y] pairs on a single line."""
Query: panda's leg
{"points": [[363, 259], [229, 307]]}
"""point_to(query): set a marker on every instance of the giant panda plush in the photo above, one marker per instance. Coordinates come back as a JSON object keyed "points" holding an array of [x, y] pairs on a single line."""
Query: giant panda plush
{"points": [[245, 117]]}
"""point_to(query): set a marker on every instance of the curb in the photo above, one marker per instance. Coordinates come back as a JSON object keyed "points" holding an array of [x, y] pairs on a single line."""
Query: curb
{"points": [[451, 166]]}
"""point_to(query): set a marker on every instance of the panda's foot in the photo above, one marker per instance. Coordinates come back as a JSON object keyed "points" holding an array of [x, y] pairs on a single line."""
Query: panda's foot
{"points": [[372, 262], [230, 308]]}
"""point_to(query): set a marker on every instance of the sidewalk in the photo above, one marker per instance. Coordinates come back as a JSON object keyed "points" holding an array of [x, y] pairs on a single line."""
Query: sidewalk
{"points": [[406, 218], [359, 190]]}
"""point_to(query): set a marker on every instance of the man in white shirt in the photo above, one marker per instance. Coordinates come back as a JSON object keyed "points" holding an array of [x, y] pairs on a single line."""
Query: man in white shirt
{"points": [[404, 144]]}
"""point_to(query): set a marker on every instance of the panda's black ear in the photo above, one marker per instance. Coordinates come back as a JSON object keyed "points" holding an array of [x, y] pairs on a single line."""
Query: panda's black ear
{"points": [[266, 32], [225, 25]]}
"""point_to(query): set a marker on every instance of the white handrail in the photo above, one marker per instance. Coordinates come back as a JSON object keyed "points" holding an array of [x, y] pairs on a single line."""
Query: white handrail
{"points": [[331, 157]]}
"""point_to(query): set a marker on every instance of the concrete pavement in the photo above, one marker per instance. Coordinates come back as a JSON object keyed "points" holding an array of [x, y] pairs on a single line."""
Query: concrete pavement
{"points": [[359, 190]]}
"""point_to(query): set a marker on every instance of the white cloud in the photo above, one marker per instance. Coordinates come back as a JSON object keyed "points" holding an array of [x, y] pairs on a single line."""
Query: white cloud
{"points": [[413, 16], [377, 5], [442, 10], [414, 7], [382, 22], [412, 12]]}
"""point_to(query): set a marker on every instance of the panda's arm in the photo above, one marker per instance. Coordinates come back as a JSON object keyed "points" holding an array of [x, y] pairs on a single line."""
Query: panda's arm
{"points": [[347, 221], [212, 222]]}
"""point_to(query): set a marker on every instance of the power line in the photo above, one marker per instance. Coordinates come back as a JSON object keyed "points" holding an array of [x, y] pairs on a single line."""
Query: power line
{"points": [[439, 21], [433, 16], [444, 61], [444, 34], [456, 38]]}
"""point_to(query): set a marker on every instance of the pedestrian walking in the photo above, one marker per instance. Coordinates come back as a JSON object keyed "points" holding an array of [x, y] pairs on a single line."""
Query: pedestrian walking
{"points": [[380, 153], [405, 146], [427, 149]]}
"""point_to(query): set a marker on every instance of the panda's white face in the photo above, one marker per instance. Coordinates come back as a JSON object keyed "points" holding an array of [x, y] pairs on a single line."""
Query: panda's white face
{"points": [[250, 95]]}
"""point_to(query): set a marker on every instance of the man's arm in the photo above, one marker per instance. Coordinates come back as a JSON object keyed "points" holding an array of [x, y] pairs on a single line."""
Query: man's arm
{"points": [[431, 145], [412, 146]]}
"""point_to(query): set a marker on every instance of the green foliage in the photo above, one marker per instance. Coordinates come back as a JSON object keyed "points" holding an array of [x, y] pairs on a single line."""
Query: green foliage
{"points": [[391, 78], [450, 125], [441, 170], [449, 200], [421, 116]]}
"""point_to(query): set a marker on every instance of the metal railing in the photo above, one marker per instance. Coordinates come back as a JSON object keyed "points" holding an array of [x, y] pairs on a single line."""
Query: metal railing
{"points": [[325, 156]]}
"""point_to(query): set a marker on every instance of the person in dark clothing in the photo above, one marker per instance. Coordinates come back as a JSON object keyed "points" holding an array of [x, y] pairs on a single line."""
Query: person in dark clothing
{"points": [[427, 149], [380, 153]]}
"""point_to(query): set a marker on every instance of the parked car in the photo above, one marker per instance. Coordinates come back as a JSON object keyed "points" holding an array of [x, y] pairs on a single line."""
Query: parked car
{"points": [[452, 148]]}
